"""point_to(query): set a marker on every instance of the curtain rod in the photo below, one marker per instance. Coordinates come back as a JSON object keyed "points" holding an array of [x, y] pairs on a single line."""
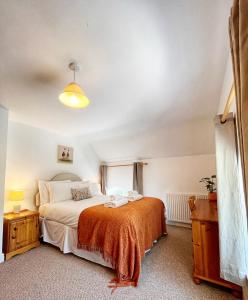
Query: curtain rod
{"points": [[125, 165], [228, 104]]}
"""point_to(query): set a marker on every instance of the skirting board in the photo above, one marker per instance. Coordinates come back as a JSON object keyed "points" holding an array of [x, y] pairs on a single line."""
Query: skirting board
{"points": [[1, 257], [186, 225]]}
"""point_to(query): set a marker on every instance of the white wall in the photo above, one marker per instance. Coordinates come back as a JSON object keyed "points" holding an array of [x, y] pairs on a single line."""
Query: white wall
{"points": [[226, 86], [168, 174], [3, 146], [177, 174], [32, 155]]}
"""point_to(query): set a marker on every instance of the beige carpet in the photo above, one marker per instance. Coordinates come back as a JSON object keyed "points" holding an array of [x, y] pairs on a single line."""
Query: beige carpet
{"points": [[46, 273]]}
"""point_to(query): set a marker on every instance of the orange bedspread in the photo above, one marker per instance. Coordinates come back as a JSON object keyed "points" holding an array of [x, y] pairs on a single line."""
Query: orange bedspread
{"points": [[122, 235]]}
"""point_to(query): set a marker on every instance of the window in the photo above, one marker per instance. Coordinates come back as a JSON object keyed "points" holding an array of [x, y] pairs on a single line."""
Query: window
{"points": [[120, 180]]}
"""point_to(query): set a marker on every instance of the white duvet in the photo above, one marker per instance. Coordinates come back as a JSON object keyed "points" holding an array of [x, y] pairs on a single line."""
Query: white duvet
{"points": [[67, 212]]}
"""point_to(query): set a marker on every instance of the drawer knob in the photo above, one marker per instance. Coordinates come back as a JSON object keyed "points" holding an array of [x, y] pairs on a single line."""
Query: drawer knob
{"points": [[13, 237]]}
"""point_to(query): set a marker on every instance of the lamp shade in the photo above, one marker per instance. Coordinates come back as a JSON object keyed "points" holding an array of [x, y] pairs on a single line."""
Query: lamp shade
{"points": [[16, 195], [73, 96]]}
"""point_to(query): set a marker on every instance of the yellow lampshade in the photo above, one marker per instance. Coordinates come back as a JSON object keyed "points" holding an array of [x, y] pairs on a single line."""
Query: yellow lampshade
{"points": [[73, 96], [16, 195]]}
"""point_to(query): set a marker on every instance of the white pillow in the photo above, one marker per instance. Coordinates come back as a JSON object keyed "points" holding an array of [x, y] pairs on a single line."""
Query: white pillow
{"points": [[95, 189], [61, 191], [44, 192]]}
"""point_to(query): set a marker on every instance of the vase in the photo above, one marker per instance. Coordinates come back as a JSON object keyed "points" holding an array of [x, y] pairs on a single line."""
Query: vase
{"points": [[212, 196]]}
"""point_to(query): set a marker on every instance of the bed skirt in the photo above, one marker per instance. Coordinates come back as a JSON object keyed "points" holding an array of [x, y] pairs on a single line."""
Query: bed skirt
{"points": [[66, 239]]}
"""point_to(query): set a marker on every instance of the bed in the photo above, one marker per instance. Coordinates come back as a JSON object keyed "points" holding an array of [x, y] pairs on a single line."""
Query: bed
{"points": [[60, 223]]}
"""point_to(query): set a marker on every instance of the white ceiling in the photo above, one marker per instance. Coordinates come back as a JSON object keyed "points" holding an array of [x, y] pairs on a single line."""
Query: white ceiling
{"points": [[143, 63]]}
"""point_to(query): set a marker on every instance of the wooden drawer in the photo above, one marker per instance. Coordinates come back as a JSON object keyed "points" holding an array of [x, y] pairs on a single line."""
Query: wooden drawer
{"points": [[21, 233], [205, 249], [17, 235], [33, 229], [197, 248], [196, 232], [198, 260], [205, 241]]}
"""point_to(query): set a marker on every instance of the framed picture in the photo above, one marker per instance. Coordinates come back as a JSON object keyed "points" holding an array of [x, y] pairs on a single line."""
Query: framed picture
{"points": [[65, 154]]}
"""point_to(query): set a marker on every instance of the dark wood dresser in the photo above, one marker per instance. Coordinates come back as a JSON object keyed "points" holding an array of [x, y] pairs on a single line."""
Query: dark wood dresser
{"points": [[205, 240]]}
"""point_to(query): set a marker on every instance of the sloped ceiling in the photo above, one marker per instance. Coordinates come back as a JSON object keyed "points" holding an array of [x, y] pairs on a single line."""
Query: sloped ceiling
{"points": [[144, 64], [194, 137]]}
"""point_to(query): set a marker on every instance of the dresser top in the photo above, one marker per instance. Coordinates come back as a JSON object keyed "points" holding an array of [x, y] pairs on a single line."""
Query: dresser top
{"points": [[205, 210], [22, 214]]}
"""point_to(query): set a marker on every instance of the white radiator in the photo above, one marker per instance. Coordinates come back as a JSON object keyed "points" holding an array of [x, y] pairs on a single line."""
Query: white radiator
{"points": [[177, 207]]}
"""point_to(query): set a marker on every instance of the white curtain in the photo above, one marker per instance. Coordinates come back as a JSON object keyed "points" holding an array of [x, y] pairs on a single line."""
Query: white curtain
{"points": [[231, 204]]}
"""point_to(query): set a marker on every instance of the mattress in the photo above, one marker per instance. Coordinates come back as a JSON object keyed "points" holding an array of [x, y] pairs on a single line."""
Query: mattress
{"points": [[67, 212]]}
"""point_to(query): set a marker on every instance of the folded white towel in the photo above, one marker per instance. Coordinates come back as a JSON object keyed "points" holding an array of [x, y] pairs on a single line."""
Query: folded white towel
{"points": [[132, 193], [116, 198], [114, 204], [135, 198]]}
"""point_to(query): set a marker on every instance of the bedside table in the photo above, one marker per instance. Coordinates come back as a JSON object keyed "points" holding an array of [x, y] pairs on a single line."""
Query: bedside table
{"points": [[20, 232]]}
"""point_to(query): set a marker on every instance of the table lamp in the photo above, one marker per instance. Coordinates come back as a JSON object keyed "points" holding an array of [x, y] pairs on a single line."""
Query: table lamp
{"points": [[16, 196]]}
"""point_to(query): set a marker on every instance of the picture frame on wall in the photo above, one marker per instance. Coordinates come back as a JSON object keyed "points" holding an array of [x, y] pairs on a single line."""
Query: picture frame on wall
{"points": [[65, 154]]}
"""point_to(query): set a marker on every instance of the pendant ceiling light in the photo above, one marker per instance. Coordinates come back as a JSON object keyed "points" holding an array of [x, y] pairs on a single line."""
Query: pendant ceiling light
{"points": [[73, 96]]}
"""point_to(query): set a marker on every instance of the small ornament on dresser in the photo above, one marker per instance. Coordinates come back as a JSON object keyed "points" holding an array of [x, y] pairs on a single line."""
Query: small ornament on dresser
{"points": [[210, 184]]}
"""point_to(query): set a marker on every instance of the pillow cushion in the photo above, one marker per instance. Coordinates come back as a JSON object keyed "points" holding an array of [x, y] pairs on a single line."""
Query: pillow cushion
{"points": [[81, 194], [44, 191], [61, 191], [95, 189]]}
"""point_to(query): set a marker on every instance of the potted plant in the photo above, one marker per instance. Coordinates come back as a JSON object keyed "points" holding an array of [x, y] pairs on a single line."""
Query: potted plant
{"points": [[210, 183]]}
